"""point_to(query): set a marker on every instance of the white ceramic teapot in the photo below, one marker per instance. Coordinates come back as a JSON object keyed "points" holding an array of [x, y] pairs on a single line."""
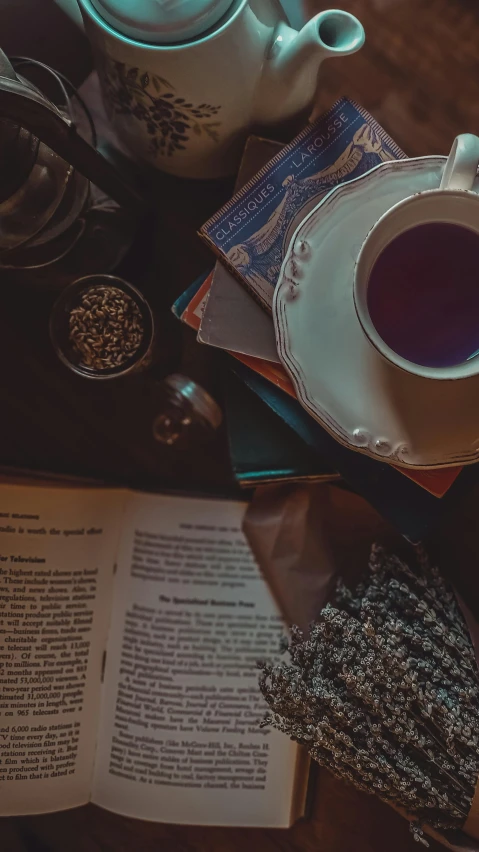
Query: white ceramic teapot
{"points": [[184, 80]]}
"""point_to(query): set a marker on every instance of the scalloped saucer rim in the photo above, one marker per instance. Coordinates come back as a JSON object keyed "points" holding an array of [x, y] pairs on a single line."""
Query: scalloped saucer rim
{"points": [[366, 404]]}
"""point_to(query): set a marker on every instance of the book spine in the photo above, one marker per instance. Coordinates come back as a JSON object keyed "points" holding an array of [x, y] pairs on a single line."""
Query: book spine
{"points": [[253, 480]]}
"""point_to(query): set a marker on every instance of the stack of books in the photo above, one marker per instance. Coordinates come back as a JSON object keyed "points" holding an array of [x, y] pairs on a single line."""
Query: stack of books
{"points": [[272, 437]]}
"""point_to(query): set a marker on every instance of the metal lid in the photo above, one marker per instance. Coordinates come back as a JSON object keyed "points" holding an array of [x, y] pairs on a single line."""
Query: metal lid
{"points": [[162, 21], [202, 403]]}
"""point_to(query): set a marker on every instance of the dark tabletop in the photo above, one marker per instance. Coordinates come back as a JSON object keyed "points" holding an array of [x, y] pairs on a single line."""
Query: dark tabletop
{"points": [[419, 75]]}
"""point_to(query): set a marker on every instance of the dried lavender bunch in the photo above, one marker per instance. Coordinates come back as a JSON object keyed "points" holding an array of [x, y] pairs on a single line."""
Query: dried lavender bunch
{"points": [[384, 691]]}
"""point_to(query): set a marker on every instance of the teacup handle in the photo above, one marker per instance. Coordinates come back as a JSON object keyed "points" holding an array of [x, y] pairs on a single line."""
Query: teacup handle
{"points": [[461, 166]]}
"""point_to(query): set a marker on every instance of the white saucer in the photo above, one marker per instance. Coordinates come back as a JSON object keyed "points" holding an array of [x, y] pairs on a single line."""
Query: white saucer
{"points": [[364, 402]]}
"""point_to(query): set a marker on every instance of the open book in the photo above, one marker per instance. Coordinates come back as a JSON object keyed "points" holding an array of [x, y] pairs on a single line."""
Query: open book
{"points": [[130, 627]]}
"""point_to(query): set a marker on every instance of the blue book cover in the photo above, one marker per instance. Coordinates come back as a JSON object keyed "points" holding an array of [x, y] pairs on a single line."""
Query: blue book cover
{"points": [[251, 233]]}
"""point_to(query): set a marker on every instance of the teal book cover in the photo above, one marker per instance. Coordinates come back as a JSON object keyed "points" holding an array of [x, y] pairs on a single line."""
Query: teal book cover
{"points": [[251, 233], [411, 509], [264, 449]]}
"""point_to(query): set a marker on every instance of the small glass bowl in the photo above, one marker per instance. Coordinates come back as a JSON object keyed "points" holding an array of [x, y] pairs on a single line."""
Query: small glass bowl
{"points": [[60, 328]]}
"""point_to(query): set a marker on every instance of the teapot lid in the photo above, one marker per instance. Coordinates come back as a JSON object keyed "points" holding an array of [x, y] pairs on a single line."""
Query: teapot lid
{"points": [[162, 21]]}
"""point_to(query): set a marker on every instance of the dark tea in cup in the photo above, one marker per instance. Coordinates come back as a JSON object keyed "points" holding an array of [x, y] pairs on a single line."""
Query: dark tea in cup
{"points": [[423, 294]]}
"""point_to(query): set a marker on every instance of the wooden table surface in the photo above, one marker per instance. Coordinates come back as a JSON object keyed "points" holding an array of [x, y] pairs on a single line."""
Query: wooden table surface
{"points": [[419, 75]]}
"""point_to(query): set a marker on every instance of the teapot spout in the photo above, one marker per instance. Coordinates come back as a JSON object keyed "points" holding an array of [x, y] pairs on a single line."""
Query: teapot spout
{"points": [[291, 70], [336, 33]]}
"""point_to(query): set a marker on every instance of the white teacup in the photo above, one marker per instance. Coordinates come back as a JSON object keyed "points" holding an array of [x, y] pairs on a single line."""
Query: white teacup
{"points": [[455, 203]]}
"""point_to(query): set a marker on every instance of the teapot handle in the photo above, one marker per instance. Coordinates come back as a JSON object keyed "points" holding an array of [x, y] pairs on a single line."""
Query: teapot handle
{"points": [[461, 166]]}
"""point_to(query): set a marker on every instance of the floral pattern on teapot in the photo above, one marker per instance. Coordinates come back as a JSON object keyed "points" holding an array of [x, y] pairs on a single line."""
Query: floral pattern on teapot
{"points": [[150, 99]]}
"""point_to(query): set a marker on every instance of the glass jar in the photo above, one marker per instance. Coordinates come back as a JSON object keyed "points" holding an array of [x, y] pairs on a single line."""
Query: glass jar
{"points": [[188, 412], [88, 323], [55, 225]]}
